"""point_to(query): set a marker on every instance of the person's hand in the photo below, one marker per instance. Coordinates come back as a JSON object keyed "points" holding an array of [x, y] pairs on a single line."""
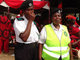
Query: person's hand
{"points": [[71, 58], [40, 58], [31, 16]]}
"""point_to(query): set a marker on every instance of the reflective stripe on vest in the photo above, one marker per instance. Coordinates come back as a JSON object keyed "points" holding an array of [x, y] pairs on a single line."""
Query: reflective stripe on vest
{"points": [[55, 55], [54, 47]]}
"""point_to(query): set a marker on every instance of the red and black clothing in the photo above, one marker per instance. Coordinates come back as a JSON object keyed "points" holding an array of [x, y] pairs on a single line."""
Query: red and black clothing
{"points": [[6, 31]]}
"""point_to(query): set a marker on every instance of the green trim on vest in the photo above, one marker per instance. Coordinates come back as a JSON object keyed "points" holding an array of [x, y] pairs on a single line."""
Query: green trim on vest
{"points": [[53, 41]]}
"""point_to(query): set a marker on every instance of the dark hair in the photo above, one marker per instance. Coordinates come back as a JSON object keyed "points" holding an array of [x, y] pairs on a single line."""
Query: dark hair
{"points": [[54, 10], [26, 4]]}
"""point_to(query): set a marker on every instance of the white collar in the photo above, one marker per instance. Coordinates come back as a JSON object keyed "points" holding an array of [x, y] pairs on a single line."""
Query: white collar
{"points": [[61, 28]]}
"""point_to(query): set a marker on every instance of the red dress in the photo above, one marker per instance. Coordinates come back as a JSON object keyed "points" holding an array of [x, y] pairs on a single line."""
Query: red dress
{"points": [[6, 30]]}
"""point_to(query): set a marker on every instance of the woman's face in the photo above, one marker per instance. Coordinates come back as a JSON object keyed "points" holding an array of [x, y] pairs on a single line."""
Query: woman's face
{"points": [[56, 18]]}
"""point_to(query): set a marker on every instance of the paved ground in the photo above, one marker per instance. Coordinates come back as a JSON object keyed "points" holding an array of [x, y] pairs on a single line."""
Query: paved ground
{"points": [[10, 55], [7, 56]]}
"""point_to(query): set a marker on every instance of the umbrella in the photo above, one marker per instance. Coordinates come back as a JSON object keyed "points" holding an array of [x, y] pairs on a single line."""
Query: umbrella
{"points": [[4, 4], [9, 4], [1, 1], [12, 3], [17, 3], [41, 4]]}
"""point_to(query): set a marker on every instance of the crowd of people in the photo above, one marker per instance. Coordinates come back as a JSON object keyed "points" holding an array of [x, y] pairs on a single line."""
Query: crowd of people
{"points": [[53, 41]]}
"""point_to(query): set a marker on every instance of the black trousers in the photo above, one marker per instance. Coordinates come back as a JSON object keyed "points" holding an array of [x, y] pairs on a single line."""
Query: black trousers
{"points": [[26, 51]]}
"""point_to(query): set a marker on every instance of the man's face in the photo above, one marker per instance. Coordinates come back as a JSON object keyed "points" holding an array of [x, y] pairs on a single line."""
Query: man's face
{"points": [[29, 11], [56, 18]]}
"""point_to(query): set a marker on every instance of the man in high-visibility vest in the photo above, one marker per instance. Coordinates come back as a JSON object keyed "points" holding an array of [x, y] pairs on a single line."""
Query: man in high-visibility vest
{"points": [[54, 39]]}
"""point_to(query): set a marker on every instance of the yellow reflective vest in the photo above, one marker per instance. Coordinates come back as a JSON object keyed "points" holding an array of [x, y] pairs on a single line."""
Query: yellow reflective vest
{"points": [[54, 47]]}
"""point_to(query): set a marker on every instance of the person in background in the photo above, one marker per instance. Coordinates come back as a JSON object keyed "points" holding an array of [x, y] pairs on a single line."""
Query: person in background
{"points": [[54, 43], [6, 33], [74, 31], [27, 35]]}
